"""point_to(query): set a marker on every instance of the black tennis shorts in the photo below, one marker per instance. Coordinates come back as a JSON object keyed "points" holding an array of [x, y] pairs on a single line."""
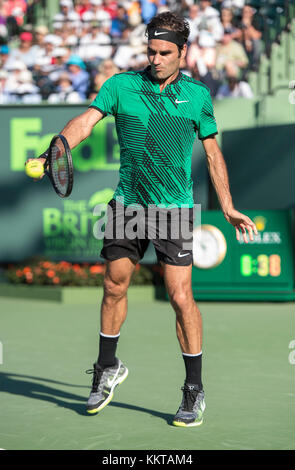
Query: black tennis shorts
{"points": [[129, 230]]}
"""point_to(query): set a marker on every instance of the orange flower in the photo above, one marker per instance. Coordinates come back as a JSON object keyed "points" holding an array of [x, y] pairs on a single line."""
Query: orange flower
{"points": [[96, 269], [76, 267], [19, 273], [50, 273], [29, 276], [56, 280], [27, 270], [65, 264], [47, 265]]}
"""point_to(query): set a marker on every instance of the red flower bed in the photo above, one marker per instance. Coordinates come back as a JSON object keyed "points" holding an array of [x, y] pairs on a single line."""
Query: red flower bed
{"points": [[63, 273]]}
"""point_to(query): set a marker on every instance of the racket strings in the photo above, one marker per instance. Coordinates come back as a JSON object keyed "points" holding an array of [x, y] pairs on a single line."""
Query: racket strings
{"points": [[59, 167]]}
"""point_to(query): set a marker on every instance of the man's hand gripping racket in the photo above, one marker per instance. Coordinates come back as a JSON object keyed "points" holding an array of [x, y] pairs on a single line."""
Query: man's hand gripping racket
{"points": [[57, 165]]}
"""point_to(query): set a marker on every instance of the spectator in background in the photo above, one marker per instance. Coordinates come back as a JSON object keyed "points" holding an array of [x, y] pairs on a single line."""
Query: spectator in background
{"points": [[67, 11], [134, 12], [4, 95], [194, 20], [68, 34], [106, 70], [65, 92], [78, 75], [25, 51], [39, 47], [19, 84], [227, 23], [149, 9], [40, 74], [60, 57], [4, 56], [203, 48], [230, 50], [232, 4], [110, 6], [3, 19], [51, 41], [234, 88], [98, 13], [96, 45], [82, 6], [250, 37], [119, 23], [210, 20], [128, 50], [16, 9], [201, 59]]}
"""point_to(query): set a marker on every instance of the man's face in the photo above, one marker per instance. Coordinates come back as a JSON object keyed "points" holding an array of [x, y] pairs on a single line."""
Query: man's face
{"points": [[3, 58], [193, 11], [248, 11], [164, 58], [74, 69]]}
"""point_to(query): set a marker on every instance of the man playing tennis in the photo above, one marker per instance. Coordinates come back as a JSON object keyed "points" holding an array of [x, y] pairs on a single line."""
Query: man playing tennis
{"points": [[158, 112]]}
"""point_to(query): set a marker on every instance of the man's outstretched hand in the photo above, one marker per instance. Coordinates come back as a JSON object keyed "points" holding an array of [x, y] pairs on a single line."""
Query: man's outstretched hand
{"points": [[241, 222]]}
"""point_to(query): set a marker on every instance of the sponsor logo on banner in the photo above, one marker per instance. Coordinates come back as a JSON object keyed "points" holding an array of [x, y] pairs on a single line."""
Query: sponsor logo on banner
{"points": [[69, 231], [100, 151]]}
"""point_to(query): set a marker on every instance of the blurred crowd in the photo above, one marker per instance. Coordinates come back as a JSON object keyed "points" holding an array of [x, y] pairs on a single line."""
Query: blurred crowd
{"points": [[68, 59]]}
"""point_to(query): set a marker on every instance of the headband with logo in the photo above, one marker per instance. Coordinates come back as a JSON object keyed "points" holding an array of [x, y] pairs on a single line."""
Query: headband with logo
{"points": [[167, 35]]}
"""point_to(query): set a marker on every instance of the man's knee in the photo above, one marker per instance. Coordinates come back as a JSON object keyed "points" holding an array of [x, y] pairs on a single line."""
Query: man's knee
{"points": [[113, 289], [181, 299]]}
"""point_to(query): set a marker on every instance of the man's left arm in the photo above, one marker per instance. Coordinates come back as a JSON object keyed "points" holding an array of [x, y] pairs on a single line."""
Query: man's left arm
{"points": [[219, 177]]}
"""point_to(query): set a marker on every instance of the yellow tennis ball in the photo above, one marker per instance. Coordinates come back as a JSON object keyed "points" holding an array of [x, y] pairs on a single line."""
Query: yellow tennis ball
{"points": [[34, 168]]}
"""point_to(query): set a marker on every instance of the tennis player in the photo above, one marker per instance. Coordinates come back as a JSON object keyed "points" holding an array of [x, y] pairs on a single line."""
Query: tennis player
{"points": [[158, 112]]}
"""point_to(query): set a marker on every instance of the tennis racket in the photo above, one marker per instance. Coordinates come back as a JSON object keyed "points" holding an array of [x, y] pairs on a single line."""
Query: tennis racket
{"points": [[59, 166]]}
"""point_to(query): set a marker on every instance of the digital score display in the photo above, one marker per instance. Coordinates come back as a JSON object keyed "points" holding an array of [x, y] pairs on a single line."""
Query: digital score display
{"points": [[226, 268], [262, 266]]}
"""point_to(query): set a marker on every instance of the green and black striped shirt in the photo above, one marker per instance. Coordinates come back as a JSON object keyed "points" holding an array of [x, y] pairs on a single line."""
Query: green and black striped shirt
{"points": [[156, 131]]}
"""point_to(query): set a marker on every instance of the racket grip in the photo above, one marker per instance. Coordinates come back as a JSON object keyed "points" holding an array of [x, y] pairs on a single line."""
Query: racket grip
{"points": [[45, 156]]}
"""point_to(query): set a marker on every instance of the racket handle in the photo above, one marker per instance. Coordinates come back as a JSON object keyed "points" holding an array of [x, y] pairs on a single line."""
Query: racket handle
{"points": [[45, 156]]}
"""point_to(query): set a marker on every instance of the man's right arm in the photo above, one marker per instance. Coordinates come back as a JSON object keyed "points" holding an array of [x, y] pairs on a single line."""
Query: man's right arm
{"points": [[78, 129]]}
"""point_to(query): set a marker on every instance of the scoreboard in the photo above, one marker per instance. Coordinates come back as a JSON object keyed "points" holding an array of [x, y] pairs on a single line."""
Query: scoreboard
{"points": [[227, 269]]}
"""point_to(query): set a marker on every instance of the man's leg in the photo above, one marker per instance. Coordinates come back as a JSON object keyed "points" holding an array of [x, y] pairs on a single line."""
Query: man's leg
{"points": [[109, 371], [189, 334], [188, 316], [113, 308]]}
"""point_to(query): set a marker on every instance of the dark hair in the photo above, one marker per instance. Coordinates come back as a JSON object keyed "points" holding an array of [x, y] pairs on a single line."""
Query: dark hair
{"points": [[170, 20]]}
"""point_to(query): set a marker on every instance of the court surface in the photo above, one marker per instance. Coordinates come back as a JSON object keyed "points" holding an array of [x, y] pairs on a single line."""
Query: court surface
{"points": [[248, 379]]}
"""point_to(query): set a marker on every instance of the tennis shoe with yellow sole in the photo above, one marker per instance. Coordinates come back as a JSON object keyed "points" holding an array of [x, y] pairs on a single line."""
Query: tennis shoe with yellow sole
{"points": [[104, 382], [191, 410]]}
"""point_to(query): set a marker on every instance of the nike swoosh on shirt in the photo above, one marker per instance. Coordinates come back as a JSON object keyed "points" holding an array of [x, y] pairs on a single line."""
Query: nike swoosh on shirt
{"points": [[181, 255], [178, 102], [158, 33]]}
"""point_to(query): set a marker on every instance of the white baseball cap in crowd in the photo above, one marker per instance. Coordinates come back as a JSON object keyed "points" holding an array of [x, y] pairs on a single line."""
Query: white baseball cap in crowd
{"points": [[88, 16], [53, 39], [59, 52], [66, 3], [96, 2]]}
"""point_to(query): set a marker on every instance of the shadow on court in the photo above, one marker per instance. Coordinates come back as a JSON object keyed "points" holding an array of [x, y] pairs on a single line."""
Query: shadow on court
{"points": [[30, 387]]}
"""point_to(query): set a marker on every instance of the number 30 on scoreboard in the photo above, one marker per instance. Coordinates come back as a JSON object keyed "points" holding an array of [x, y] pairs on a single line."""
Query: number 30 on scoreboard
{"points": [[263, 265]]}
